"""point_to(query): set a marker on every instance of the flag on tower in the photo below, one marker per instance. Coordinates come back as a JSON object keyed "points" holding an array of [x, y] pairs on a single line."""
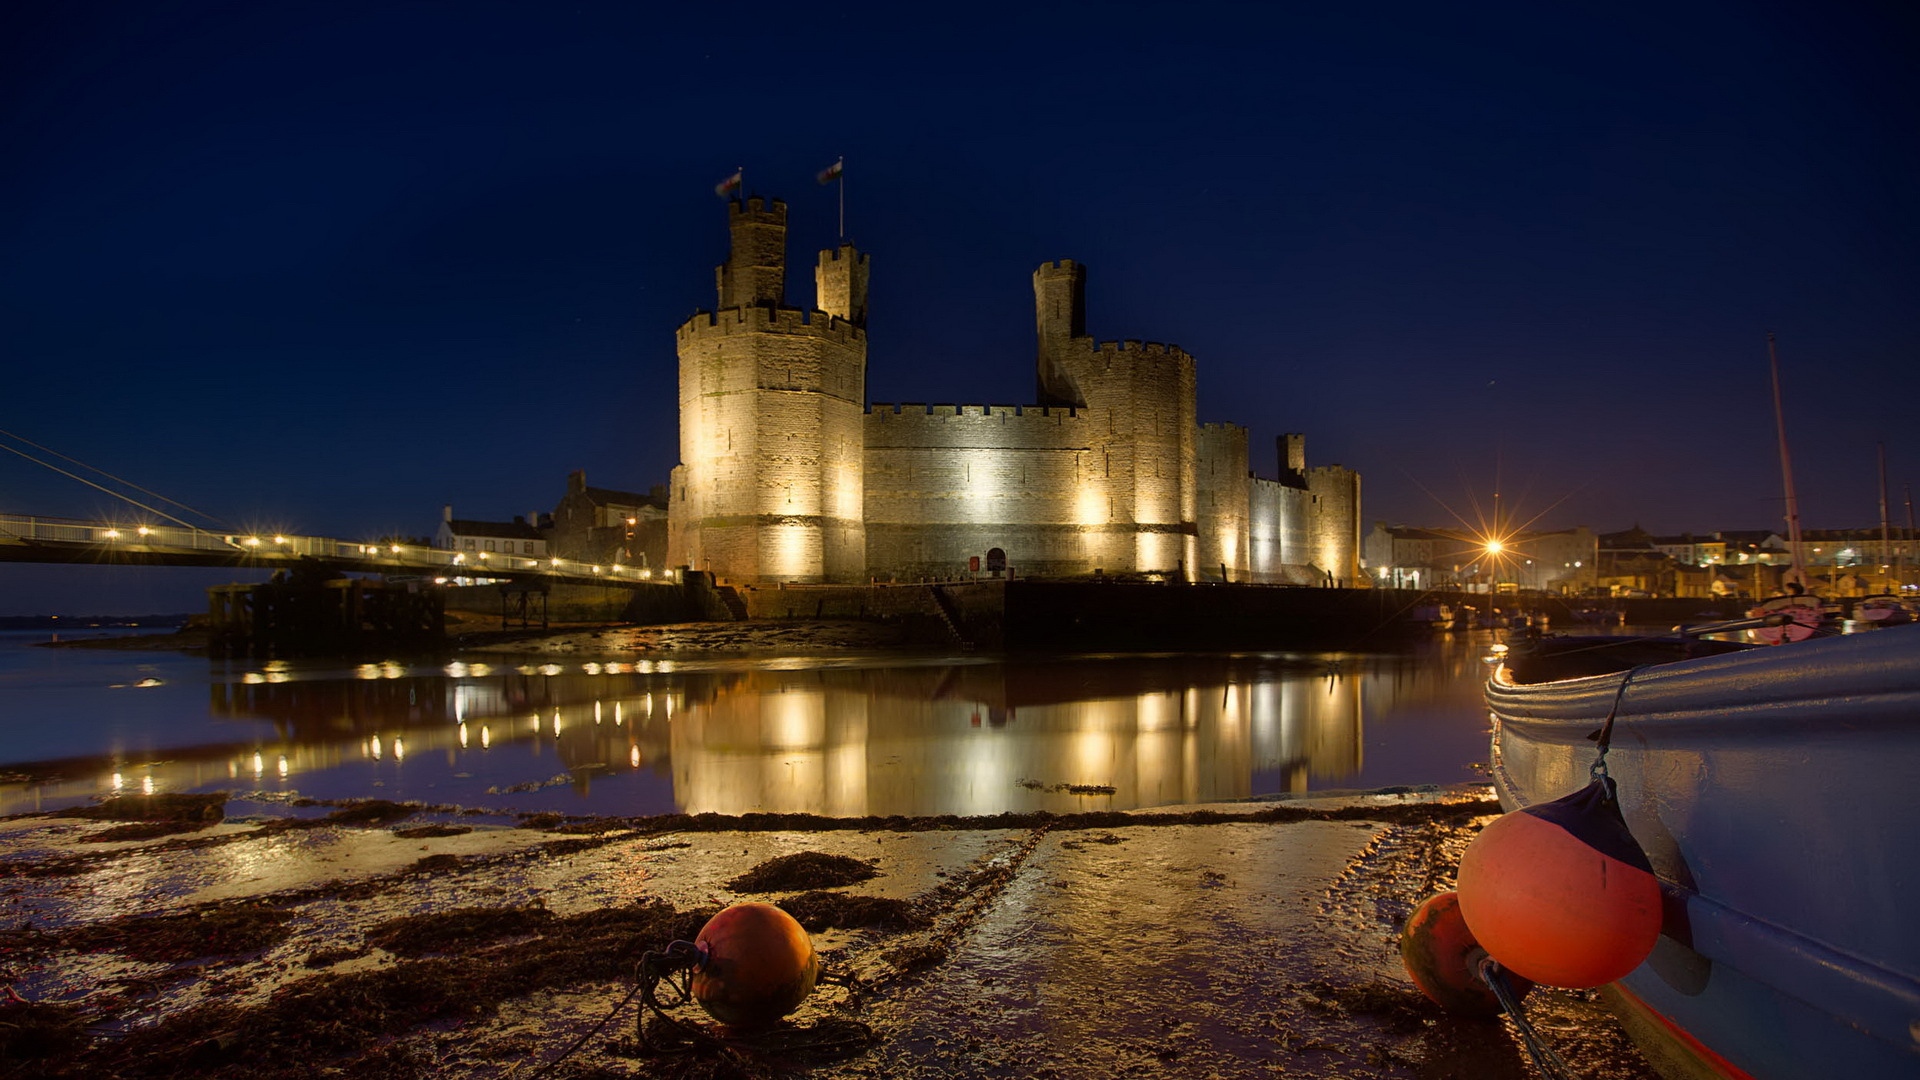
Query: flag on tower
{"points": [[728, 186], [832, 172]]}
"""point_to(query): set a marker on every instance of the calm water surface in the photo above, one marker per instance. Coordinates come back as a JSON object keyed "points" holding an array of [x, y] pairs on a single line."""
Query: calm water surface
{"points": [[842, 736]]}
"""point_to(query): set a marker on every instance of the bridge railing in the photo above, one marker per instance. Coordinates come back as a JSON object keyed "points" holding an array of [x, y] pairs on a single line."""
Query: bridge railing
{"points": [[272, 547]]}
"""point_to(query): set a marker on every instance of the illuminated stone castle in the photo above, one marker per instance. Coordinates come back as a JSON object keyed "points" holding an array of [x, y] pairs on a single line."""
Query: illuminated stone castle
{"points": [[788, 475]]}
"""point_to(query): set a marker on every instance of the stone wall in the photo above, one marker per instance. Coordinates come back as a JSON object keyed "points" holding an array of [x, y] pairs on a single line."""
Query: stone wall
{"points": [[1334, 523], [1278, 551], [1224, 503], [947, 482]]}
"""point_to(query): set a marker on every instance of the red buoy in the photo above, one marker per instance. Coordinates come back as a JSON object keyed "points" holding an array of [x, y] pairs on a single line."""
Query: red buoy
{"points": [[756, 965], [1560, 893], [1441, 956]]}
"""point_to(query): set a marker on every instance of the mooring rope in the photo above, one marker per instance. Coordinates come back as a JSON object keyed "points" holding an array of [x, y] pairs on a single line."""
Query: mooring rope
{"points": [[672, 967], [1544, 1057]]}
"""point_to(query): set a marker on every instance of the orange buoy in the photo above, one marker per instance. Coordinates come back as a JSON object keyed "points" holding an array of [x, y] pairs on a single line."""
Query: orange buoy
{"points": [[756, 965], [1561, 893], [1441, 956]]}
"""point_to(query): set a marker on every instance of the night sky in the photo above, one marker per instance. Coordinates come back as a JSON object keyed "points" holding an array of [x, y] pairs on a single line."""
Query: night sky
{"points": [[325, 267]]}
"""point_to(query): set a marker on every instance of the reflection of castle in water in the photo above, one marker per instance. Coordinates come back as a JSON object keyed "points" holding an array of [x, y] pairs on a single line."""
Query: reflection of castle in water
{"points": [[961, 739], [601, 718], [985, 738]]}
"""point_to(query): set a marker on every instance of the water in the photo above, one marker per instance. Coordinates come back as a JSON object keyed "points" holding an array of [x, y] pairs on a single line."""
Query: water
{"points": [[841, 736]]}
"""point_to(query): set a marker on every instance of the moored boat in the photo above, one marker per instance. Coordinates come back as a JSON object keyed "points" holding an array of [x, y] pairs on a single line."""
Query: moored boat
{"points": [[1886, 610], [1771, 790]]}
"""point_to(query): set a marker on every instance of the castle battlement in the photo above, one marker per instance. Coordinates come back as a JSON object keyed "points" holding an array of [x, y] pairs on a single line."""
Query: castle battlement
{"points": [[835, 255], [1142, 348], [767, 319], [757, 209], [917, 408]]}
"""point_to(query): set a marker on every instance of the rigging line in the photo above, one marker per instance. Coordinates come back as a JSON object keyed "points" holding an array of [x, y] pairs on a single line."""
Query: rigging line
{"points": [[108, 490], [108, 475]]}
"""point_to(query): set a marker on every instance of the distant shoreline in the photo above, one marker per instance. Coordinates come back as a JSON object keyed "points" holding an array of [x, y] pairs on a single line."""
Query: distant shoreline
{"points": [[607, 640]]}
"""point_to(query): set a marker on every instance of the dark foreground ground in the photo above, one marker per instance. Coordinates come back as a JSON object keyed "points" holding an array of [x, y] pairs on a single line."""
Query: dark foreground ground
{"points": [[182, 937]]}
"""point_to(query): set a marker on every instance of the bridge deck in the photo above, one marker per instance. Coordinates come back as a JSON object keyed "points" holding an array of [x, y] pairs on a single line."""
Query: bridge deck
{"points": [[64, 540]]}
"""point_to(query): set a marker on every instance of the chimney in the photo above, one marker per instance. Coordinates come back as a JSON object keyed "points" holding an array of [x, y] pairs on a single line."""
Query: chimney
{"points": [[446, 512]]}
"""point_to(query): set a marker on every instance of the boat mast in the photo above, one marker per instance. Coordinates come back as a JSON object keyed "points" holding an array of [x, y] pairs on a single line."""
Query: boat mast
{"points": [[1886, 534], [1900, 557], [1796, 572]]}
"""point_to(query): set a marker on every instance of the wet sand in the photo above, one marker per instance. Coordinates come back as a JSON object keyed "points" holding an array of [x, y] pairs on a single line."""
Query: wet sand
{"points": [[1238, 940]]}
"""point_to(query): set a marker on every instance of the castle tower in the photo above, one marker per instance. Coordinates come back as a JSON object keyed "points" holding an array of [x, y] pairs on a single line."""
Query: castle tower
{"points": [[771, 481], [1293, 458], [1060, 317], [1141, 399], [756, 269], [840, 284]]}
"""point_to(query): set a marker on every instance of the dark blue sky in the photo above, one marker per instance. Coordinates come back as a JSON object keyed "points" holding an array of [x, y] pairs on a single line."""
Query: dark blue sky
{"points": [[324, 267]]}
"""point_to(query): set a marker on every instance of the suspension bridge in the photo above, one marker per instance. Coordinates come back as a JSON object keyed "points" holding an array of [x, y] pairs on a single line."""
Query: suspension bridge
{"points": [[151, 536], [26, 538]]}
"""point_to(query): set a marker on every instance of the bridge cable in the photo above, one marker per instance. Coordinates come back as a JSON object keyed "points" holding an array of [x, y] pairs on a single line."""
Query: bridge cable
{"points": [[108, 490], [108, 475]]}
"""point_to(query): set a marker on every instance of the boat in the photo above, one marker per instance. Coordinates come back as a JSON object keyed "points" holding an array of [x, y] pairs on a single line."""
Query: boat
{"points": [[1882, 610], [1435, 617], [1599, 616], [1771, 788]]}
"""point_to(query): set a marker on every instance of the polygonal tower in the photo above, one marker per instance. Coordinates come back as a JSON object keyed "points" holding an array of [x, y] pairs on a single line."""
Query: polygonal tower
{"points": [[770, 486], [1140, 396]]}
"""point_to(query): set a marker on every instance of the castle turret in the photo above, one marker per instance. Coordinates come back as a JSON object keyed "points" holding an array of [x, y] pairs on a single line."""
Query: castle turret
{"points": [[1293, 459], [1060, 316], [770, 485], [840, 284], [756, 267]]}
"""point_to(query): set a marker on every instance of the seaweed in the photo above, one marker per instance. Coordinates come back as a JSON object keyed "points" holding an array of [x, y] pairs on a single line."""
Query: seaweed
{"points": [[342, 1018], [421, 935], [30, 1030], [803, 870], [428, 832], [204, 808], [373, 812], [217, 931], [819, 910]]}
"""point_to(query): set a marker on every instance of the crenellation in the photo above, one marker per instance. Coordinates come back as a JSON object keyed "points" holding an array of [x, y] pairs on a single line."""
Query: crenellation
{"points": [[764, 319]]}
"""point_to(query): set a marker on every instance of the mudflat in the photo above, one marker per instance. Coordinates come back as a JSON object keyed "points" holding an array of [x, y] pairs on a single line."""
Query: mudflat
{"points": [[200, 936]]}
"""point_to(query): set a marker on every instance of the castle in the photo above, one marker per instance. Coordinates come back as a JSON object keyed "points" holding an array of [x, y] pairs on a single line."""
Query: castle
{"points": [[788, 475]]}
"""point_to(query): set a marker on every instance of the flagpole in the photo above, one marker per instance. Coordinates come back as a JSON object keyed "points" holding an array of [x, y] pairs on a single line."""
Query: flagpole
{"points": [[843, 198]]}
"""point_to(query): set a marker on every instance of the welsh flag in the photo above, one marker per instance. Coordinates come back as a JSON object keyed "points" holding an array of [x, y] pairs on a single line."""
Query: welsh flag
{"points": [[728, 186], [831, 172]]}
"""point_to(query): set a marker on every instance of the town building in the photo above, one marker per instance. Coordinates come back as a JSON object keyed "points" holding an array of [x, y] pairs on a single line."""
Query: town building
{"points": [[788, 474], [606, 526], [518, 538], [1562, 561]]}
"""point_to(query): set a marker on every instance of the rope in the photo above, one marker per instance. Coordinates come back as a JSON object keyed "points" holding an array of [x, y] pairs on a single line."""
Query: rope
{"points": [[673, 968], [1604, 737], [582, 1040], [1544, 1058], [823, 1041]]}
